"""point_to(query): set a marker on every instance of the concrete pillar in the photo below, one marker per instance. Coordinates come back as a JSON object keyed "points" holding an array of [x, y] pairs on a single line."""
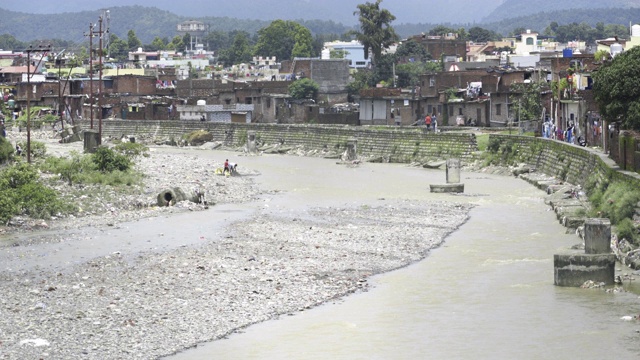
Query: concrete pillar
{"points": [[251, 142], [597, 236], [575, 270], [352, 147], [453, 171], [91, 141]]}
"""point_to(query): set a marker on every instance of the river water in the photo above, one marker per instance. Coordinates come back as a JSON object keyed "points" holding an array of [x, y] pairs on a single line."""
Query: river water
{"points": [[487, 293]]}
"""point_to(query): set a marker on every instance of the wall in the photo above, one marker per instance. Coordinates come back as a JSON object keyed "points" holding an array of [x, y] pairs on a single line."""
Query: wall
{"points": [[571, 163], [396, 144]]}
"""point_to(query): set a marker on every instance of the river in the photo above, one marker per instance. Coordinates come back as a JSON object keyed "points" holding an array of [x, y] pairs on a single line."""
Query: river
{"points": [[487, 293]]}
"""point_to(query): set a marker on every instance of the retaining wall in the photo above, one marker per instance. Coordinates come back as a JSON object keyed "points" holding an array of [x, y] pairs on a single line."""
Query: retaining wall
{"points": [[568, 162], [395, 144]]}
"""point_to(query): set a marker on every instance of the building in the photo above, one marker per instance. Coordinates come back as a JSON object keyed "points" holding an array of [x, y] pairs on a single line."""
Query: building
{"points": [[352, 51]]}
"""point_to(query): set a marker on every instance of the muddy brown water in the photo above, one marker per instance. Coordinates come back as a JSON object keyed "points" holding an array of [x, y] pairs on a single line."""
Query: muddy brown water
{"points": [[487, 293]]}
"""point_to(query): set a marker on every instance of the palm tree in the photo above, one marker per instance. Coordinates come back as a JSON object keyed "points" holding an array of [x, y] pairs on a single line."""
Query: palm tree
{"points": [[375, 32]]}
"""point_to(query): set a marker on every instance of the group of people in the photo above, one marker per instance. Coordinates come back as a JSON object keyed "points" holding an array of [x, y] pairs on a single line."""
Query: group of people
{"points": [[549, 130], [229, 167], [431, 122]]}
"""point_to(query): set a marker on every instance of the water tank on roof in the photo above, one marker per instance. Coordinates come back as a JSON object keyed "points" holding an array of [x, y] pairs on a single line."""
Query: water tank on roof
{"points": [[567, 53], [635, 30], [201, 102], [326, 54], [616, 49]]}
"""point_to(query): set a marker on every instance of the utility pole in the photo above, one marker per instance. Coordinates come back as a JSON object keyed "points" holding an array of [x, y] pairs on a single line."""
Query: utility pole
{"points": [[100, 84], [61, 106], [44, 50], [91, 26], [100, 33]]}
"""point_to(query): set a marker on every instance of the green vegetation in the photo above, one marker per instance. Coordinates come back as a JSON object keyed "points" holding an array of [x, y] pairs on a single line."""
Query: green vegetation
{"points": [[107, 160], [6, 150], [616, 202], [197, 137], [483, 141], [106, 167], [616, 91], [21, 193], [285, 40], [304, 89], [38, 148], [376, 32], [627, 230], [500, 152]]}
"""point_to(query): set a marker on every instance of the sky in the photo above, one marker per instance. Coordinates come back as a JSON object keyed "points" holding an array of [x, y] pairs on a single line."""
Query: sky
{"points": [[341, 11]]}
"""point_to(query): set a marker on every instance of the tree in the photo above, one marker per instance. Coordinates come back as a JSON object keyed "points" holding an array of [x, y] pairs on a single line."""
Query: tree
{"points": [[616, 90], [412, 51], [118, 48], [132, 41], [239, 52], [480, 35], [376, 33], [527, 101], [338, 53], [176, 44], [157, 44], [442, 30], [303, 46], [304, 89], [281, 37]]}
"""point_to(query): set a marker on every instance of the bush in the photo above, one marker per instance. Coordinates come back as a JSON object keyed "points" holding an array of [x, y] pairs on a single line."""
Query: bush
{"points": [[69, 169], [38, 148], [493, 145], [18, 175], [41, 202], [108, 160], [198, 137], [627, 230], [132, 150], [6, 150], [618, 202], [22, 193]]}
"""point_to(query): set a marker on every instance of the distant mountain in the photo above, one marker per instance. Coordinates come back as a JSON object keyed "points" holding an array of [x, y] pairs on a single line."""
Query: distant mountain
{"points": [[522, 8], [340, 11], [149, 22]]}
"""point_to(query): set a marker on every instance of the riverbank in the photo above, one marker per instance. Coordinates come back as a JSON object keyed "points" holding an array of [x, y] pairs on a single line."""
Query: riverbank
{"points": [[183, 281]]}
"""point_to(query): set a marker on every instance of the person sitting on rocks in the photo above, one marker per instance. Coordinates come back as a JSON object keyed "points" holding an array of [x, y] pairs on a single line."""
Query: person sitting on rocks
{"points": [[18, 150]]}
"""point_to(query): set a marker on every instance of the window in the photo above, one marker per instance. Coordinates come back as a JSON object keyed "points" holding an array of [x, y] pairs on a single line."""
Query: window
{"points": [[360, 63], [498, 109], [529, 41], [459, 111], [429, 109], [439, 109], [432, 81], [450, 110]]}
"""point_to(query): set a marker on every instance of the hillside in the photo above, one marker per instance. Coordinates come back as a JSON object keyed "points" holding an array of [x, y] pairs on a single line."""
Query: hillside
{"points": [[522, 8], [148, 22], [340, 11]]}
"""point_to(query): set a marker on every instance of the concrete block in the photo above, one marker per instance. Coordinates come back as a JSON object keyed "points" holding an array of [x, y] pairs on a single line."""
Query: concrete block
{"points": [[447, 188], [575, 270], [91, 141], [597, 236], [453, 171]]}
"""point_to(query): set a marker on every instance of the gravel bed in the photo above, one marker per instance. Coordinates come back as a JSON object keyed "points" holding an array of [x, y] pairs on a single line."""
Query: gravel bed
{"points": [[112, 307]]}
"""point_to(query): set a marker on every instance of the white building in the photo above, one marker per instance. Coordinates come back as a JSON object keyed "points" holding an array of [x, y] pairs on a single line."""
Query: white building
{"points": [[353, 51]]}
